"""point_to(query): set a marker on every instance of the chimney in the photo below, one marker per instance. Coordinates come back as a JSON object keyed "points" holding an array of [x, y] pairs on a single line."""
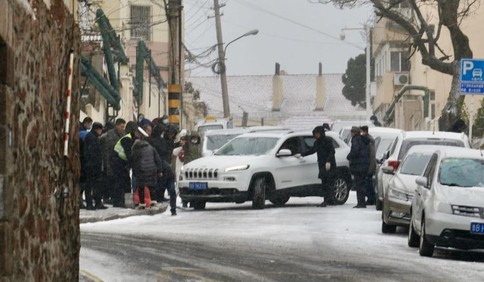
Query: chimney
{"points": [[277, 90], [320, 89]]}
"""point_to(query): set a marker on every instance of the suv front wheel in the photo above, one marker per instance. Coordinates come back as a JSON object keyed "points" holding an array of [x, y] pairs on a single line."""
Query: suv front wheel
{"points": [[259, 197]]}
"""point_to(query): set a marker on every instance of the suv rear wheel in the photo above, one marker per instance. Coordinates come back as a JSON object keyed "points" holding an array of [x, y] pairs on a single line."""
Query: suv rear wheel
{"points": [[259, 197]]}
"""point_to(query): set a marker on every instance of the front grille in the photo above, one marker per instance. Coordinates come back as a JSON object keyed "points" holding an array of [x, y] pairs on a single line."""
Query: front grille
{"points": [[468, 211], [201, 174]]}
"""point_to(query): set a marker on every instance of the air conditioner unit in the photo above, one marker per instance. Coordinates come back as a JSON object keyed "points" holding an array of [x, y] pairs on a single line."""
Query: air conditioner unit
{"points": [[401, 79]]}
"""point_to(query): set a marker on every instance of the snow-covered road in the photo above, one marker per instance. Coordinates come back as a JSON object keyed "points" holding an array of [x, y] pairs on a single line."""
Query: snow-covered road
{"points": [[298, 242]]}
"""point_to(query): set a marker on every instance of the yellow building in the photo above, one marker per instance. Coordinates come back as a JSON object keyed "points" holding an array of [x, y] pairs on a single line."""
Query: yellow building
{"points": [[392, 72]]}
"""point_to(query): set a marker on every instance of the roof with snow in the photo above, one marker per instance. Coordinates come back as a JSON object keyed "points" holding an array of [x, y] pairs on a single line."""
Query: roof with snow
{"points": [[253, 93]]}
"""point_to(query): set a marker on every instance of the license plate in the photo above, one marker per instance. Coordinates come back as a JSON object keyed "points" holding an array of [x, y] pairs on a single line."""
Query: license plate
{"points": [[477, 228], [197, 185]]}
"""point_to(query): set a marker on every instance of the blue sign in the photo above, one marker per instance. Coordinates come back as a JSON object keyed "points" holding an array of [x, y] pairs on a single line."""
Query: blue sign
{"points": [[472, 76]]}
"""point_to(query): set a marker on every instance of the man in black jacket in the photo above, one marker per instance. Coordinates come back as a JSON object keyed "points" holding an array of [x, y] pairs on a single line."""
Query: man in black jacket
{"points": [[324, 148], [359, 158], [93, 167]]}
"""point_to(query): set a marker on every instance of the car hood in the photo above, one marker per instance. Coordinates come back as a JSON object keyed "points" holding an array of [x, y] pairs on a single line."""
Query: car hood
{"points": [[404, 182], [222, 162], [463, 196]]}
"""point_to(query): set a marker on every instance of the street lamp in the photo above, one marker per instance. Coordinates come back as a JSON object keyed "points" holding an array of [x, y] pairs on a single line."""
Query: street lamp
{"points": [[222, 69], [342, 36]]}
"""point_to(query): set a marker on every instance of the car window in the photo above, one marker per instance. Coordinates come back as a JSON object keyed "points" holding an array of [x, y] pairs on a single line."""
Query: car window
{"points": [[309, 142], [382, 145], [394, 145], [409, 143], [248, 146], [429, 171], [462, 172], [293, 144], [415, 163], [216, 141]]}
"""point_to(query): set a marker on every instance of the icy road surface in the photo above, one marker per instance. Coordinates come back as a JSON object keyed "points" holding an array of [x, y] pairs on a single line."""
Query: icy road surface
{"points": [[298, 242]]}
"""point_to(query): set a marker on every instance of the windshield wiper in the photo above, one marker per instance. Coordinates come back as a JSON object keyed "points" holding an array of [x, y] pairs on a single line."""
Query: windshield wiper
{"points": [[451, 184]]}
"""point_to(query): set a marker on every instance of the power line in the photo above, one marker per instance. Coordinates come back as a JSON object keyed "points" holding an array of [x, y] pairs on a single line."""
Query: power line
{"points": [[260, 9]]}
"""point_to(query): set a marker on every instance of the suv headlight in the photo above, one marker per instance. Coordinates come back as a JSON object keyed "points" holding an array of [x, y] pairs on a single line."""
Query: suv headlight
{"points": [[237, 168], [399, 195]]}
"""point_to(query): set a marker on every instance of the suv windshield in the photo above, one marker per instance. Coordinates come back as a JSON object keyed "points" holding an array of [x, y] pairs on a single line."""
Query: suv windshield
{"points": [[216, 141], [248, 146], [415, 163], [462, 172], [409, 143]]}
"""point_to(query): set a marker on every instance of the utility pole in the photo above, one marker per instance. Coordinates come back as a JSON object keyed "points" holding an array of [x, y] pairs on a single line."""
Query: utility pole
{"points": [[221, 59], [174, 87]]}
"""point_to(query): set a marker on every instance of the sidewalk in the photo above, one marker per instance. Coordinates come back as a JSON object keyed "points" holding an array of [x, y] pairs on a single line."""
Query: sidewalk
{"points": [[111, 213]]}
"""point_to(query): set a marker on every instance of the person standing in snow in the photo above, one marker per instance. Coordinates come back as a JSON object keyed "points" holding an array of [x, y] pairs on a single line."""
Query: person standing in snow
{"points": [[359, 158], [93, 167], [324, 148], [146, 163], [370, 188]]}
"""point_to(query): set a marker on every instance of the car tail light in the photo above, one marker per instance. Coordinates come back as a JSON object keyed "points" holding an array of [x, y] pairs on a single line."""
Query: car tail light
{"points": [[394, 164]]}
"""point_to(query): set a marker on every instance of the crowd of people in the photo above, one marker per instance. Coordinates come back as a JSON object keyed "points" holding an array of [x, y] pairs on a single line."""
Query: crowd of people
{"points": [[139, 159], [362, 162]]}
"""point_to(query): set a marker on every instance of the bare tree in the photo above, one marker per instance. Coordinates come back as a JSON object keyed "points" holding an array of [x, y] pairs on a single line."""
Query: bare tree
{"points": [[425, 37]]}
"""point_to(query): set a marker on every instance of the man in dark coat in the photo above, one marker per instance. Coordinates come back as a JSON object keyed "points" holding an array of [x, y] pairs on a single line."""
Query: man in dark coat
{"points": [[324, 148], [161, 146], [93, 167], [108, 141], [370, 188], [359, 158]]}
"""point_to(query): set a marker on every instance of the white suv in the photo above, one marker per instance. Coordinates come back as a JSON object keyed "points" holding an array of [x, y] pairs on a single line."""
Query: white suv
{"points": [[448, 206], [262, 165], [400, 147]]}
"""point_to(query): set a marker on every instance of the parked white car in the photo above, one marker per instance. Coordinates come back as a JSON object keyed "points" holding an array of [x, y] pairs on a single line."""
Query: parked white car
{"points": [[448, 207], [407, 139], [402, 187], [262, 165]]}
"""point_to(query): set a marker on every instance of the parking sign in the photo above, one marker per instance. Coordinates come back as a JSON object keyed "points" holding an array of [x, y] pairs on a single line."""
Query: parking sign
{"points": [[472, 76]]}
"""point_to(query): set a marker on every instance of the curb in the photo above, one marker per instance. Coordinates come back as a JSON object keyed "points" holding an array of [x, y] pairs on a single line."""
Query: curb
{"points": [[130, 212], [85, 276]]}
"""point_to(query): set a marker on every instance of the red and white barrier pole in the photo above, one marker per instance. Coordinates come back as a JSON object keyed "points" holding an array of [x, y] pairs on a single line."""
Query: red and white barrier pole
{"points": [[68, 110]]}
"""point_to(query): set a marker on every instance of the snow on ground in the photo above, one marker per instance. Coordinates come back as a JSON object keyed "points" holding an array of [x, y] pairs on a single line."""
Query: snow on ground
{"points": [[299, 225]]}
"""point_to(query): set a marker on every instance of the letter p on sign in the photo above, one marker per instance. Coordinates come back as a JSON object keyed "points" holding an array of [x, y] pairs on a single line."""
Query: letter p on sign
{"points": [[467, 66]]}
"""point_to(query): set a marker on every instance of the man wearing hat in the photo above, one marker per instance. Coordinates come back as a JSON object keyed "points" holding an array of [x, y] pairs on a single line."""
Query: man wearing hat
{"points": [[326, 163], [359, 158]]}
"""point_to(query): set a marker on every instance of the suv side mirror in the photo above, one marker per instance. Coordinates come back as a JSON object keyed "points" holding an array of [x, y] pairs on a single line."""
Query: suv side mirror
{"points": [[388, 170], [284, 153], [386, 155], [422, 181]]}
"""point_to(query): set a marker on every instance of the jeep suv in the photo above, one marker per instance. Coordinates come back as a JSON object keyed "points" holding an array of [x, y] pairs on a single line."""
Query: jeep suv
{"points": [[262, 165]]}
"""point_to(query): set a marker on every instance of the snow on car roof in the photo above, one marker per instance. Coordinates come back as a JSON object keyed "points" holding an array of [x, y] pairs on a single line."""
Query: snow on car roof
{"points": [[458, 152], [436, 134]]}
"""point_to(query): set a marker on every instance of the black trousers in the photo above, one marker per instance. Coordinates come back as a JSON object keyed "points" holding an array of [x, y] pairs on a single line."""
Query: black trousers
{"points": [[122, 183], [360, 187], [327, 192], [93, 191]]}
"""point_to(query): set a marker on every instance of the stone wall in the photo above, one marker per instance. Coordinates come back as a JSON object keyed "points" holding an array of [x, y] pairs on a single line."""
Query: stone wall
{"points": [[39, 225]]}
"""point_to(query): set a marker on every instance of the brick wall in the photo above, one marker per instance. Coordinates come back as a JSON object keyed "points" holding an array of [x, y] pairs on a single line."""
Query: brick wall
{"points": [[39, 228]]}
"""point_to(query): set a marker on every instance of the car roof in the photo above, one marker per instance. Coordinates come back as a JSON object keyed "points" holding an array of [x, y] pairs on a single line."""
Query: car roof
{"points": [[373, 130], [426, 149], [227, 131], [435, 134], [287, 132], [458, 152]]}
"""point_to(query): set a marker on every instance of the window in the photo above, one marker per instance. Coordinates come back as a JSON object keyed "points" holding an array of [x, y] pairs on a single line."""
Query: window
{"points": [[141, 22], [415, 163], [292, 144], [399, 61], [432, 104], [429, 171]]}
